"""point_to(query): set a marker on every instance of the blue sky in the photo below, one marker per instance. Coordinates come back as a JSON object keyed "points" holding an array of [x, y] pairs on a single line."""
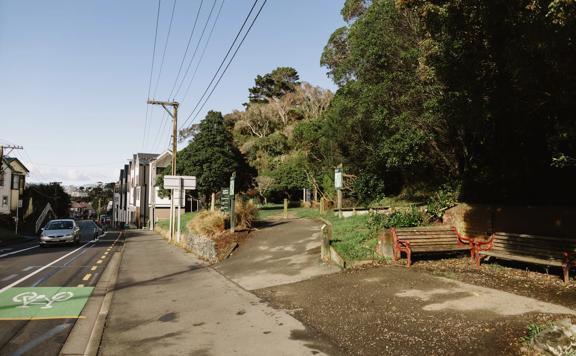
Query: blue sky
{"points": [[74, 74]]}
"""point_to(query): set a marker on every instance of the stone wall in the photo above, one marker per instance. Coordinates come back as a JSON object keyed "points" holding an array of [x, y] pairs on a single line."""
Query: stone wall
{"points": [[201, 246]]}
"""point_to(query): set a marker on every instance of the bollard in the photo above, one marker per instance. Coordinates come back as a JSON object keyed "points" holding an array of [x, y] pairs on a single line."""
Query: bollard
{"points": [[285, 208]]}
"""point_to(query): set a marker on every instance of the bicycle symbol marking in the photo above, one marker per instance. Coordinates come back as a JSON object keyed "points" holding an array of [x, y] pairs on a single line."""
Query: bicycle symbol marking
{"points": [[32, 298]]}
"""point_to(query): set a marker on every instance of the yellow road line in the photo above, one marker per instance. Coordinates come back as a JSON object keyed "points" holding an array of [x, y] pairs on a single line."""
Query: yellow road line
{"points": [[93, 268], [103, 256], [87, 277], [99, 261], [80, 286]]}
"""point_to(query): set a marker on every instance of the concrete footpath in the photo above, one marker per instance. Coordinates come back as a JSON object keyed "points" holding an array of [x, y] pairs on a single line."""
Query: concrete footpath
{"points": [[282, 251], [166, 302]]}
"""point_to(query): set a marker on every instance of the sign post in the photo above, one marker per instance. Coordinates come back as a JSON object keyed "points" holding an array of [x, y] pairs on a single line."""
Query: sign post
{"points": [[232, 212], [338, 186], [178, 185]]}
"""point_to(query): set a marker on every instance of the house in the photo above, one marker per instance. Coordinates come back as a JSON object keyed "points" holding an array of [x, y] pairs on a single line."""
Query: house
{"points": [[159, 207], [137, 188], [12, 181], [81, 210]]}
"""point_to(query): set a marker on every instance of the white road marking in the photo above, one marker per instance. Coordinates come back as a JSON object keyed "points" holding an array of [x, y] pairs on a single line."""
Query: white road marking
{"points": [[43, 268], [18, 251], [12, 276], [28, 268]]}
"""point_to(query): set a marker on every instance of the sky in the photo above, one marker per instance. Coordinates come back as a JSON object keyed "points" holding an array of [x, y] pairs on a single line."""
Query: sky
{"points": [[75, 75]]}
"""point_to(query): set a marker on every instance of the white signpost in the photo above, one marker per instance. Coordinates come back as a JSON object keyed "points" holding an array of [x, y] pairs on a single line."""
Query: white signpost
{"points": [[178, 185]]}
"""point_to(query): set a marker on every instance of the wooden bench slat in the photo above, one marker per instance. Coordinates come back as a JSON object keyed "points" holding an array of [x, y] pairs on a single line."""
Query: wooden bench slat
{"points": [[533, 246], [534, 237], [448, 240], [543, 242], [453, 237], [439, 248], [527, 259]]}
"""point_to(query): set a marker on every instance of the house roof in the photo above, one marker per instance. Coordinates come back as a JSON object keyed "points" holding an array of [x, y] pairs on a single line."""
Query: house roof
{"points": [[15, 164]]}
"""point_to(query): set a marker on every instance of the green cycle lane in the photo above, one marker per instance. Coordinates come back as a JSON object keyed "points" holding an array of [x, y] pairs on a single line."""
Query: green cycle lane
{"points": [[38, 303]]}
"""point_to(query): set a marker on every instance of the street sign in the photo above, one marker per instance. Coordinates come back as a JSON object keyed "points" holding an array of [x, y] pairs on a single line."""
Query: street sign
{"points": [[20, 203], [338, 178], [225, 200], [172, 182], [180, 182], [188, 182]]}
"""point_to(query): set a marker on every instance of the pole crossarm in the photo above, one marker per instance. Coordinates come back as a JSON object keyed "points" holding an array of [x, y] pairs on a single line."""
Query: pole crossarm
{"points": [[164, 104]]}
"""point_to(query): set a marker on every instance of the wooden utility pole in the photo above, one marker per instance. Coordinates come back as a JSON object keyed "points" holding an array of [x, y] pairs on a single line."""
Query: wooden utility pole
{"points": [[174, 116]]}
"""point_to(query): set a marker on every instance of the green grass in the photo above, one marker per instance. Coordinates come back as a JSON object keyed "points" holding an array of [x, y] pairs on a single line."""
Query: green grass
{"points": [[269, 210], [352, 238], [164, 224]]}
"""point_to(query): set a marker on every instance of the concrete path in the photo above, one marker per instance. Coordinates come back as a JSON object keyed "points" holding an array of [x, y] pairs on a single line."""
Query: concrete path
{"points": [[281, 252], [168, 303]]}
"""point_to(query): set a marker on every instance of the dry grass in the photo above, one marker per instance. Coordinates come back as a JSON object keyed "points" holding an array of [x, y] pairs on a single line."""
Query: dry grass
{"points": [[208, 223], [246, 213]]}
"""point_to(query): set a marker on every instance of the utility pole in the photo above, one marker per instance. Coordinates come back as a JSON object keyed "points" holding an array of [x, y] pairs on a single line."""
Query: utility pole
{"points": [[174, 116]]}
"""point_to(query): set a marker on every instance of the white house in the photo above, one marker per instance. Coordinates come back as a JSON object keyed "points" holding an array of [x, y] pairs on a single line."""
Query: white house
{"points": [[159, 207], [12, 180]]}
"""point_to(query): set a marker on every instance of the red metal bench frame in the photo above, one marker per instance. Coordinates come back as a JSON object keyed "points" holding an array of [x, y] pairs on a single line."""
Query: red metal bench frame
{"points": [[400, 245]]}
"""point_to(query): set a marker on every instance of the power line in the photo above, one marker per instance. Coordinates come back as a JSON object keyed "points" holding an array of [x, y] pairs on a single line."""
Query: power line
{"points": [[165, 47], [196, 49], [224, 59], [151, 72], [225, 69], [203, 52], [187, 48]]}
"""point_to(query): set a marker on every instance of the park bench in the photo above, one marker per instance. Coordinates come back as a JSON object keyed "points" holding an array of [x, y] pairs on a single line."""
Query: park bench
{"points": [[542, 250], [429, 239]]}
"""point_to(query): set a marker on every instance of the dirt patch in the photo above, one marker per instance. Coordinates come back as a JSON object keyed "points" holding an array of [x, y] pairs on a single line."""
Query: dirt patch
{"points": [[371, 311], [531, 281]]}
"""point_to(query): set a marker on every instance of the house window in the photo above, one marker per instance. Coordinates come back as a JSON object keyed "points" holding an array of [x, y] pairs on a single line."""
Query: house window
{"points": [[4, 200], [1, 178], [15, 181]]}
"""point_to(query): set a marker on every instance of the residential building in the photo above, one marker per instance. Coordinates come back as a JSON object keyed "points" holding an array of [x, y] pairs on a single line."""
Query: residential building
{"points": [[159, 207], [138, 192], [12, 181]]}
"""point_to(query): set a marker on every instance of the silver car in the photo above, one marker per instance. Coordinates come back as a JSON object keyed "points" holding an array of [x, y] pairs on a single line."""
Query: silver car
{"points": [[60, 231]]}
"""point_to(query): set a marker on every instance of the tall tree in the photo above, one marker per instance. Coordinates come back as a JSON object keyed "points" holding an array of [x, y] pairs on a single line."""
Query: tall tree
{"points": [[212, 157], [383, 118], [276, 84], [508, 72]]}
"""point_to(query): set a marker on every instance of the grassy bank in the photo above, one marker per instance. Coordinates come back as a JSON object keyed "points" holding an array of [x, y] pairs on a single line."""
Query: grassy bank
{"points": [[352, 236], [164, 224]]}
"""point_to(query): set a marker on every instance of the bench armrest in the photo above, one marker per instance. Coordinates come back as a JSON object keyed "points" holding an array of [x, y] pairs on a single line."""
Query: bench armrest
{"points": [[461, 239]]}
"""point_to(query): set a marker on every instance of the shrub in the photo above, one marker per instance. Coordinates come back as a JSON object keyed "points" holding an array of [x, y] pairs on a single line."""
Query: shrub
{"points": [[441, 201], [208, 223], [399, 218], [246, 213]]}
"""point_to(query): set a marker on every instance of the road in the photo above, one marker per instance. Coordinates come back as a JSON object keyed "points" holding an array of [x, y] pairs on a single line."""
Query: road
{"points": [[43, 290]]}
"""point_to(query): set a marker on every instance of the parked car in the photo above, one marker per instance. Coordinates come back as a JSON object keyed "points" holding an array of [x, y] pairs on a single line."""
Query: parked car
{"points": [[92, 226], [60, 231]]}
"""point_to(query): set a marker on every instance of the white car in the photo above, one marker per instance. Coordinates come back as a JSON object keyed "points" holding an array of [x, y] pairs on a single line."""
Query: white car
{"points": [[60, 231]]}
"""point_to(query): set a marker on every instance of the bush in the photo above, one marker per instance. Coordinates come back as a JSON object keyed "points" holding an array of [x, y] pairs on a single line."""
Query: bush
{"points": [[208, 223], [441, 201], [399, 218], [246, 213]]}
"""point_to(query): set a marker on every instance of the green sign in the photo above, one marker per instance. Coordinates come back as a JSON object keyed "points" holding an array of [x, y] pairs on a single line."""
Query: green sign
{"points": [[225, 200], [33, 303]]}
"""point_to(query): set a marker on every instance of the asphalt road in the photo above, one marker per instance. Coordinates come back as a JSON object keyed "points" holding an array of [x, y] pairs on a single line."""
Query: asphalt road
{"points": [[30, 266]]}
